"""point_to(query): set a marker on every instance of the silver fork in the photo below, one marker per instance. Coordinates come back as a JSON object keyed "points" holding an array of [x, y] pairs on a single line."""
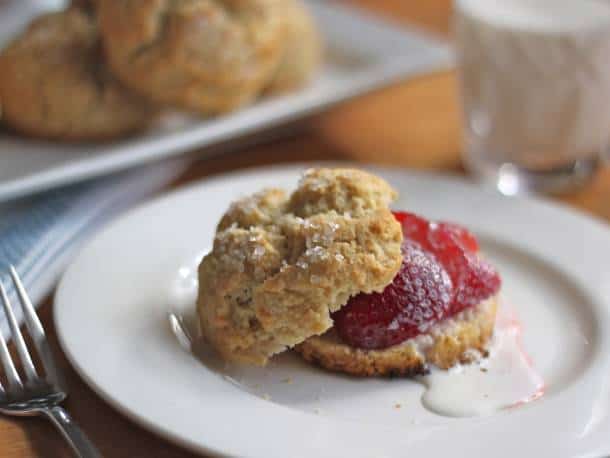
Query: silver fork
{"points": [[37, 395]]}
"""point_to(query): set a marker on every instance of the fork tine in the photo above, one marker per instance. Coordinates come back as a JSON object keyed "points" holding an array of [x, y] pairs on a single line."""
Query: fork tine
{"points": [[12, 375], [7, 362], [22, 349], [35, 329]]}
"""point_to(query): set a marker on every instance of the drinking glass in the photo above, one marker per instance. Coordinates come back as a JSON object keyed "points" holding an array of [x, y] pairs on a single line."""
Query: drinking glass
{"points": [[534, 79]]}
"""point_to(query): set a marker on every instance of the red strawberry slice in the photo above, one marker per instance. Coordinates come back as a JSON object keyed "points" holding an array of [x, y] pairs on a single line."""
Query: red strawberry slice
{"points": [[461, 235], [474, 279], [440, 276], [419, 295], [455, 247], [417, 228], [413, 227]]}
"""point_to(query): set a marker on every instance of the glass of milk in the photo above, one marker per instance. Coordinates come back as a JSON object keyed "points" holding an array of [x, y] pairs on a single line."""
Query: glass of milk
{"points": [[535, 86]]}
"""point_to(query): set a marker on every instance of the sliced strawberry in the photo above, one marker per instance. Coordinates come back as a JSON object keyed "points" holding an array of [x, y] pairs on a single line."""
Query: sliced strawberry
{"points": [[461, 234], [474, 280], [440, 275], [413, 227], [419, 295], [417, 228], [455, 247], [481, 282]]}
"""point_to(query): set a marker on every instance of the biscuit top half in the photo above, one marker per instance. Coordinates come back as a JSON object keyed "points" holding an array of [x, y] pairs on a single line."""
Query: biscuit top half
{"points": [[282, 264]]}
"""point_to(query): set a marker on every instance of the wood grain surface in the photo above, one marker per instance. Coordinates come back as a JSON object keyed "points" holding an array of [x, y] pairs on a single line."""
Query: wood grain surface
{"points": [[414, 124]]}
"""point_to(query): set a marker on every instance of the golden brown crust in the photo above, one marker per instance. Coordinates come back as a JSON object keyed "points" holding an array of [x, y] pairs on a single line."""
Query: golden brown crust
{"points": [[451, 342], [350, 191], [53, 84], [281, 265], [303, 50], [209, 56]]}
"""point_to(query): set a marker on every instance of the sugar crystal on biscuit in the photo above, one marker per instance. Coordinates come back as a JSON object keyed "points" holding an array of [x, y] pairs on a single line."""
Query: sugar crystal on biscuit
{"points": [[259, 252], [316, 254]]}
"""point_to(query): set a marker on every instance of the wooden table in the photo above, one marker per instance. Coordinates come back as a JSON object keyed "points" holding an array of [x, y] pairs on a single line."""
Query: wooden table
{"points": [[415, 124]]}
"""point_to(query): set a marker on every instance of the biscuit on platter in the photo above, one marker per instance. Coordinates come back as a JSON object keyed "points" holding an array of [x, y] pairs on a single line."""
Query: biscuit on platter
{"points": [[53, 83], [206, 56]]}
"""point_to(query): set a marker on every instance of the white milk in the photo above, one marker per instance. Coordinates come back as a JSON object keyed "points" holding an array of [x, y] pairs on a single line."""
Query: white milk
{"points": [[535, 79]]}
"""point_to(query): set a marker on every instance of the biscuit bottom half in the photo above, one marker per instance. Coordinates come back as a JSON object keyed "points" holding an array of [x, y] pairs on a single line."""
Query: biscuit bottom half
{"points": [[461, 338]]}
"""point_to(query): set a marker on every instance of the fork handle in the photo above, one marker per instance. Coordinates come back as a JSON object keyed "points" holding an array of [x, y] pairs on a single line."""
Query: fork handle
{"points": [[82, 446]]}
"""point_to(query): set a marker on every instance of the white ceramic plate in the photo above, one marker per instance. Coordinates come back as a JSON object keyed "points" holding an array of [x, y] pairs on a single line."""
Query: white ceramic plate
{"points": [[111, 316], [363, 53]]}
